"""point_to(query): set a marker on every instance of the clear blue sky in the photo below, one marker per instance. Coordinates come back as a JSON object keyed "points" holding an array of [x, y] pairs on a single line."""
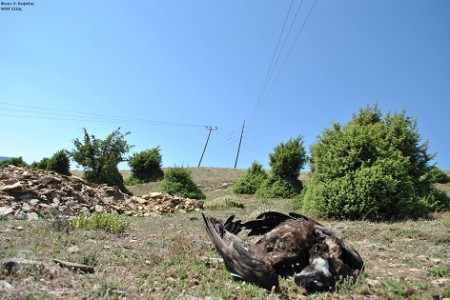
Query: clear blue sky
{"points": [[100, 65]]}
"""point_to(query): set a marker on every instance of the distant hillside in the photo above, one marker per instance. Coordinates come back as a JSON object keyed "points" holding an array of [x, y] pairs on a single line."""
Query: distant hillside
{"points": [[2, 158]]}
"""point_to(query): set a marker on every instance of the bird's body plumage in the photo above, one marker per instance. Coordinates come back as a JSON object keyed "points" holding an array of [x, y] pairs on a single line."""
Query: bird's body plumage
{"points": [[286, 245]]}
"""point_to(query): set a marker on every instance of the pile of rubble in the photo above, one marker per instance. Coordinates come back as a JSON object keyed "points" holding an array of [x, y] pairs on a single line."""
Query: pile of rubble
{"points": [[33, 193]]}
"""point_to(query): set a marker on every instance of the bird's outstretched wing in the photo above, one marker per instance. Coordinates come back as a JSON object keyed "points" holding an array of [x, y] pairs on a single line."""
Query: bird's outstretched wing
{"points": [[239, 256]]}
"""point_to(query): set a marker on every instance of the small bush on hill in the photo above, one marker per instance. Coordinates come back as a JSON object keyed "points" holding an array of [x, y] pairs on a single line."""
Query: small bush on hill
{"points": [[251, 181], [146, 166], [42, 164], [59, 162], [371, 168], [178, 181], [286, 162]]}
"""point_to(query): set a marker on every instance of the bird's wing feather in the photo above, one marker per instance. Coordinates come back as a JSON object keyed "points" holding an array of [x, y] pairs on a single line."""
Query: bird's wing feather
{"points": [[239, 256]]}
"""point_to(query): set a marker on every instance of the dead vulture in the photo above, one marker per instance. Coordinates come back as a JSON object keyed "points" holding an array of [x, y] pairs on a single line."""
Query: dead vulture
{"points": [[287, 245]]}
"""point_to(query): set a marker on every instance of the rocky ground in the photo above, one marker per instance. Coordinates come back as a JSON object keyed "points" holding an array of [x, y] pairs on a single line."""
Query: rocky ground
{"points": [[32, 193]]}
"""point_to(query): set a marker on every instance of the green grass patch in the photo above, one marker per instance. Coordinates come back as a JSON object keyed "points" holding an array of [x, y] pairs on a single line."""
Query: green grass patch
{"points": [[113, 223], [439, 271], [224, 203]]}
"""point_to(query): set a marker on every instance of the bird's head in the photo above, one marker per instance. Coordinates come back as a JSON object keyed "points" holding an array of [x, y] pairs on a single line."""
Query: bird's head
{"points": [[316, 276]]}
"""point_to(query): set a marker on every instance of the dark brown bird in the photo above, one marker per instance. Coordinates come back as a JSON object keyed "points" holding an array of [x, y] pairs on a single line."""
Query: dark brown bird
{"points": [[288, 245]]}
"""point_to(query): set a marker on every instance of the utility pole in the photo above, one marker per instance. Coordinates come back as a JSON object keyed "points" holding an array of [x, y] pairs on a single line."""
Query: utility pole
{"points": [[239, 147], [210, 128]]}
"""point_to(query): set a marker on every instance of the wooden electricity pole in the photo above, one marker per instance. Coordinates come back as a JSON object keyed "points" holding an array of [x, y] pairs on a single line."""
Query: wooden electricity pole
{"points": [[239, 147], [210, 128]]}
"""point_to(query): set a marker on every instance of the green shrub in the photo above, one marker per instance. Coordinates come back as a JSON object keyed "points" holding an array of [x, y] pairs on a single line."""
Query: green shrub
{"points": [[15, 161], [59, 162], [286, 162], [42, 164], [146, 166], [371, 168], [251, 181], [109, 175], [277, 187], [178, 181]]}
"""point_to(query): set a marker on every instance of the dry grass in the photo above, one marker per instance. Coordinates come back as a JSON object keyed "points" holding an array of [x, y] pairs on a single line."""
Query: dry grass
{"points": [[170, 256]]}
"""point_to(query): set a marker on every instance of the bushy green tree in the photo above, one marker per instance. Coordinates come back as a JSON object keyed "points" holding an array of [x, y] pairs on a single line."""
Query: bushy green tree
{"points": [[15, 161], [286, 162], [178, 181], [100, 158], [146, 166], [59, 162], [373, 168], [251, 181]]}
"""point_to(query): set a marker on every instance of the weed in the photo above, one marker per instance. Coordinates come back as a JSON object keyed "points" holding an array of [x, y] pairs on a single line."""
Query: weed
{"points": [[399, 288], [144, 274], [110, 290], [112, 223], [89, 259], [439, 271], [446, 223], [446, 293]]}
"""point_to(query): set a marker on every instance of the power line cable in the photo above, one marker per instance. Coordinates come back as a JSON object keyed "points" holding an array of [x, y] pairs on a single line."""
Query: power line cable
{"points": [[289, 53], [258, 136], [271, 61], [85, 116], [262, 99], [273, 57], [284, 43]]}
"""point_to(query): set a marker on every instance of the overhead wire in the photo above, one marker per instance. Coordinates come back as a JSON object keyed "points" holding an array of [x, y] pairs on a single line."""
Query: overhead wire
{"points": [[264, 93], [258, 136], [270, 78], [272, 60], [289, 52], [281, 49], [37, 112]]}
